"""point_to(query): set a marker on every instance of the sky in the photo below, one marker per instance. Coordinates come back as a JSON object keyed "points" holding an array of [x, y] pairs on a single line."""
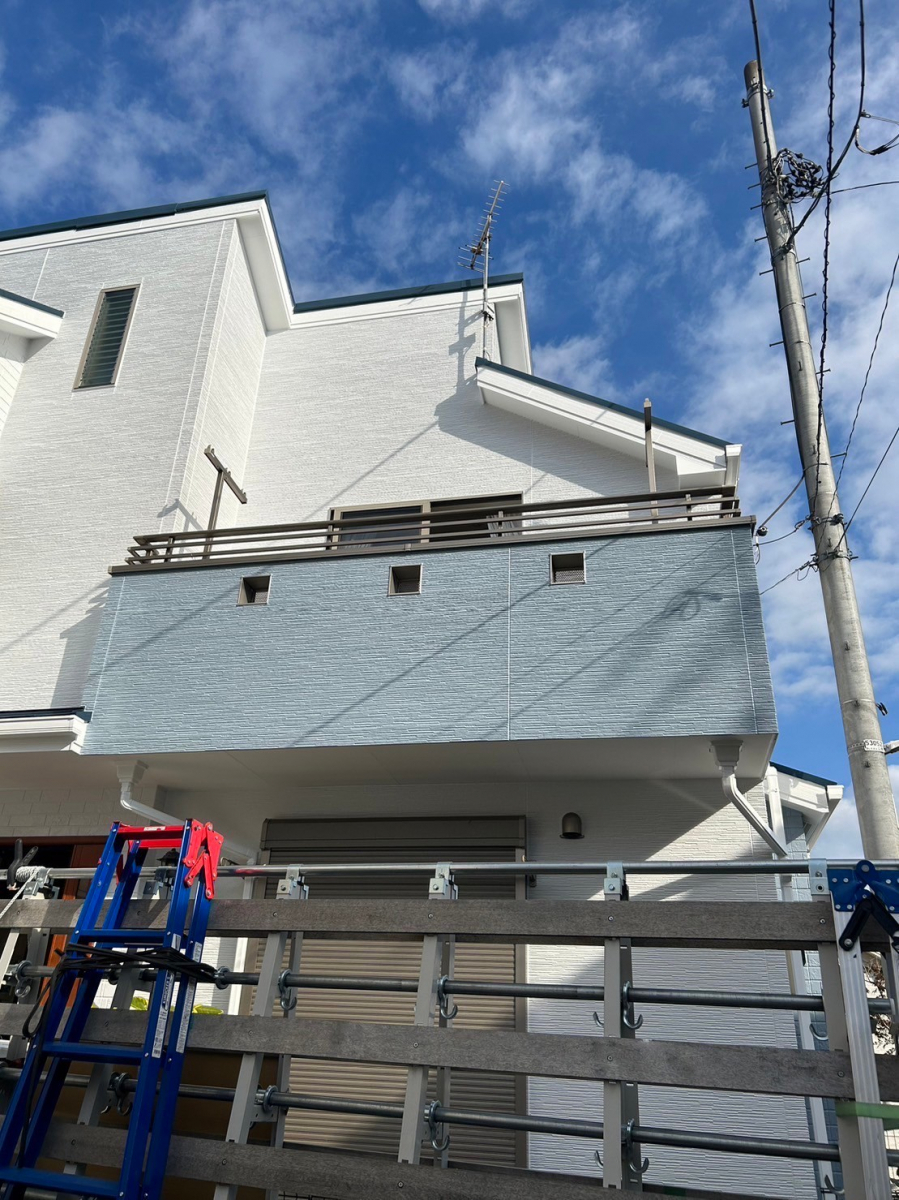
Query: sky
{"points": [[378, 129]]}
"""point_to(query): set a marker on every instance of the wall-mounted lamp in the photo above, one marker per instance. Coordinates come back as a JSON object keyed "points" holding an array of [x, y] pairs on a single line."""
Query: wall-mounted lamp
{"points": [[572, 827]]}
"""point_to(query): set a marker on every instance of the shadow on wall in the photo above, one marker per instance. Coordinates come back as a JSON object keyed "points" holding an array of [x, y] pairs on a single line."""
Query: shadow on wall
{"points": [[545, 452], [79, 640], [651, 633]]}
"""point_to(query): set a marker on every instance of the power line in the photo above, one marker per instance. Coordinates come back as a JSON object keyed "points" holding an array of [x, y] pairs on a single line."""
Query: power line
{"points": [[860, 187], [871, 480], [861, 108], [886, 304], [789, 575], [826, 271], [789, 496]]}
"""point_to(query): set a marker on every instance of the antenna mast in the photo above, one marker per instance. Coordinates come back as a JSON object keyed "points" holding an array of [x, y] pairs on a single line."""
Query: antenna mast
{"points": [[479, 251]]}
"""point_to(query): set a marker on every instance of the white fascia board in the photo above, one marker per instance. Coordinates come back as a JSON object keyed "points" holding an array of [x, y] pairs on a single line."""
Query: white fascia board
{"points": [[53, 732], [256, 227], [697, 463], [26, 321], [815, 801], [507, 300]]}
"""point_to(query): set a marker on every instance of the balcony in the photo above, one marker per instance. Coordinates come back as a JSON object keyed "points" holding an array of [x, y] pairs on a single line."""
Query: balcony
{"points": [[594, 636]]}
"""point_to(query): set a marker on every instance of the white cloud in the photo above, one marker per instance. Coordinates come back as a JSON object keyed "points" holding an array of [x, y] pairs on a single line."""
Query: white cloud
{"points": [[579, 362]]}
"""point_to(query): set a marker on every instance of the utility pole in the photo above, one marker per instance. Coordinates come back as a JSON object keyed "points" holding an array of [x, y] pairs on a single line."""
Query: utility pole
{"points": [[861, 724]]}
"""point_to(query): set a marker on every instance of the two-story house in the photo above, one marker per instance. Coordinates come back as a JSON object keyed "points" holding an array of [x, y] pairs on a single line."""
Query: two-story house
{"points": [[451, 619]]}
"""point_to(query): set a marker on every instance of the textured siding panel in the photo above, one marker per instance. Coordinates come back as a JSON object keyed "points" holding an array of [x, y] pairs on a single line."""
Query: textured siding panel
{"points": [[656, 642], [84, 470], [12, 356], [228, 397], [386, 409]]}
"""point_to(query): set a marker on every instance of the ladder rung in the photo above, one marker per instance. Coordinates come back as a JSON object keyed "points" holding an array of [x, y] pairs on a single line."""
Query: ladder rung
{"points": [[123, 937], [93, 1052], [55, 1181]]}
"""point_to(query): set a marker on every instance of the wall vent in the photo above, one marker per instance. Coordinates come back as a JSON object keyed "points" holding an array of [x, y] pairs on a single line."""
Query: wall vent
{"points": [[106, 341], [567, 568], [254, 589], [405, 580]]}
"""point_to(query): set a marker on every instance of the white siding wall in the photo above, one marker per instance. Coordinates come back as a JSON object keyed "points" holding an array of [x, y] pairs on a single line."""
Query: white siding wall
{"points": [[379, 409], [83, 471], [227, 398], [12, 356]]}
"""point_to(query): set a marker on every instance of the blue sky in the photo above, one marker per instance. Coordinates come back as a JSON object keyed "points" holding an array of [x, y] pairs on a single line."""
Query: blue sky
{"points": [[378, 129]]}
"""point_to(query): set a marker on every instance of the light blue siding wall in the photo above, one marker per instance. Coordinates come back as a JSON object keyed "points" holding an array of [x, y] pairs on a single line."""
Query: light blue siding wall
{"points": [[665, 637]]}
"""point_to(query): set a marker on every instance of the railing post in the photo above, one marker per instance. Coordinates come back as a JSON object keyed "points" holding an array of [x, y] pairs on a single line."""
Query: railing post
{"points": [[862, 1147], [441, 887], [245, 1110], [620, 1100]]}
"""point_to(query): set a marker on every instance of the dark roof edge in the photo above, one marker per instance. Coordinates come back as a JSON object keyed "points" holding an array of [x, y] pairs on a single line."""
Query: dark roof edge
{"points": [[54, 312], [806, 775], [15, 713], [412, 293], [622, 408], [130, 214]]}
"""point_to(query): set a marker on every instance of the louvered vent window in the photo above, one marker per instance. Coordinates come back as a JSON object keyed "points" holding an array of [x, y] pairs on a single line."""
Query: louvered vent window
{"points": [[567, 568], [107, 338]]}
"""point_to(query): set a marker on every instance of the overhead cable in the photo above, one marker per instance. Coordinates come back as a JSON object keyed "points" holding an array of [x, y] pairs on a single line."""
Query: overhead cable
{"points": [[883, 313], [861, 108]]}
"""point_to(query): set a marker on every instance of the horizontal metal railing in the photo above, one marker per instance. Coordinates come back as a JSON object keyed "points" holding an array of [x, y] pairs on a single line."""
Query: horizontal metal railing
{"points": [[462, 525], [847, 1071]]}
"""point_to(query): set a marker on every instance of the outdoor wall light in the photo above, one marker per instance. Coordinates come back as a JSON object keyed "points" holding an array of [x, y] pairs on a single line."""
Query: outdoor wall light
{"points": [[572, 827]]}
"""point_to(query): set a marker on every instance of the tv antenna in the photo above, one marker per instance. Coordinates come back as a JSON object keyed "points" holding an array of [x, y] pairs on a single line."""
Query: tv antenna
{"points": [[478, 254]]}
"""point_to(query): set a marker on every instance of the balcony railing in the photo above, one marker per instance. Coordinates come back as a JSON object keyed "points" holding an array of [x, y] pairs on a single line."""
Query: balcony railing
{"points": [[465, 525]]}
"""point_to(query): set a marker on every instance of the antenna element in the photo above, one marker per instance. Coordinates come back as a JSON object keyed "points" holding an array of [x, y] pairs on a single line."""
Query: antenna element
{"points": [[478, 254]]}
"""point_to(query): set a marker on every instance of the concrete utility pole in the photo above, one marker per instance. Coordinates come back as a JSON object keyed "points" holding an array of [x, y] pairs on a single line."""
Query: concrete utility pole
{"points": [[861, 724]]}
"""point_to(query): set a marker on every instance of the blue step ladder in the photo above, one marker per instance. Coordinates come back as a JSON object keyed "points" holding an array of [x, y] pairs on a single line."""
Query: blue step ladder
{"points": [[99, 943]]}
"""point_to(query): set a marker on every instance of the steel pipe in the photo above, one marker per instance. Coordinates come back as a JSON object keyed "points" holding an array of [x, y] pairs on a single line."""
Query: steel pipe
{"points": [[784, 1002], [686, 867]]}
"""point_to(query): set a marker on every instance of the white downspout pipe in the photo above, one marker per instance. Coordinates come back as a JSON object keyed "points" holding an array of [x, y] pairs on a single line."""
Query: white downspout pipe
{"points": [[132, 772], [727, 755]]}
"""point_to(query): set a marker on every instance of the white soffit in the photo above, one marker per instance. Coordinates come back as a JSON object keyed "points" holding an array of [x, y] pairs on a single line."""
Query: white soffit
{"points": [[53, 731], [20, 317], [696, 461]]}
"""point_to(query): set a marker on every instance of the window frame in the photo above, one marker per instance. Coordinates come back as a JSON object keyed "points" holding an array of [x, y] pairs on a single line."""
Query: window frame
{"points": [[78, 386], [423, 527]]}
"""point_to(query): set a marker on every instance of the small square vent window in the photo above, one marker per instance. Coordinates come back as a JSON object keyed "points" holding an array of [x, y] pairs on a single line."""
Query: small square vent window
{"points": [[254, 589], [567, 568], [405, 580]]}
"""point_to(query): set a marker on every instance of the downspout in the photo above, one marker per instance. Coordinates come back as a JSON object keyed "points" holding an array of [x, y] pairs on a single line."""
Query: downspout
{"points": [[129, 774], [727, 755]]}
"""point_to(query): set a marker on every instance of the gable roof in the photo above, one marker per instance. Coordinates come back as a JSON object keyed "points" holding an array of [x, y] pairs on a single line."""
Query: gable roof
{"points": [[697, 459]]}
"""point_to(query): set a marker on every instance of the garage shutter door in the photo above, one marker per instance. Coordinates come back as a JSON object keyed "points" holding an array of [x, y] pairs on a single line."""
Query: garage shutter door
{"points": [[395, 841]]}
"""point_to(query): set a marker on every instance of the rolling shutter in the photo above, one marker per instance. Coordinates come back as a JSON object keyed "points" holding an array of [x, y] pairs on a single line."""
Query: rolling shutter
{"points": [[366, 841]]}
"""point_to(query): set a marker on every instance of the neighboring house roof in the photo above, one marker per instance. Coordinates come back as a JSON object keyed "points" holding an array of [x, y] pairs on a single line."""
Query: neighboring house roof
{"points": [[696, 458], [806, 775]]}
